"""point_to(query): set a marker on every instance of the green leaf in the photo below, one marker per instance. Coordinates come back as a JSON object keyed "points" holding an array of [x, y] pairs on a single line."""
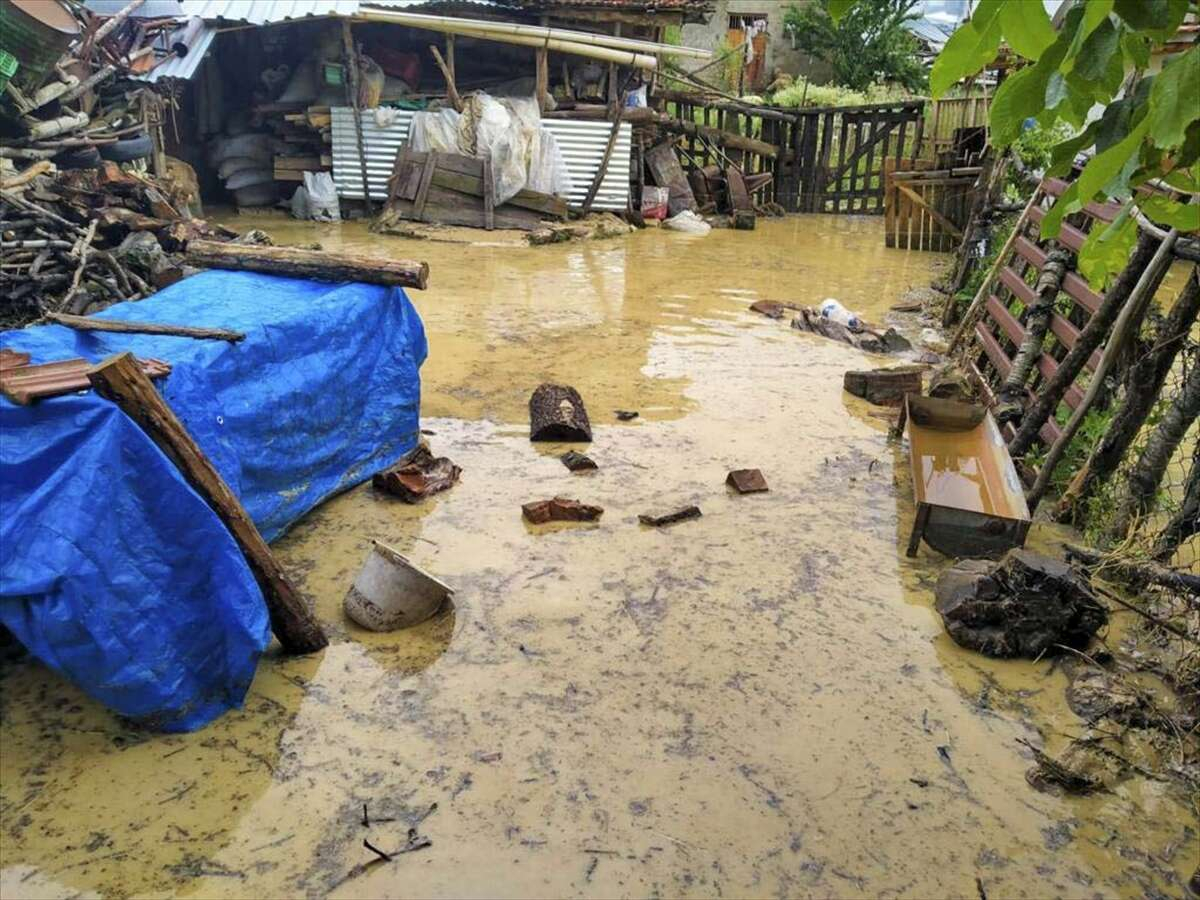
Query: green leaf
{"points": [[1106, 250], [1175, 99], [1067, 204], [1026, 28], [1063, 154], [1095, 12], [1111, 167], [1171, 213], [1151, 15], [1020, 96], [969, 49], [1097, 50], [839, 8], [1136, 47]]}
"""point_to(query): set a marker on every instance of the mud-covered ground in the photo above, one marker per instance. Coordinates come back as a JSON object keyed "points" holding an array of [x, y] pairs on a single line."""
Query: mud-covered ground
{"points": [[761, 702]]}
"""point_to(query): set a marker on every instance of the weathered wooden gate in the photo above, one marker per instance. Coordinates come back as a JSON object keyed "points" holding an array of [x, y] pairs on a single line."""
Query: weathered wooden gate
{"points": [[825, 160], [926, 208]]}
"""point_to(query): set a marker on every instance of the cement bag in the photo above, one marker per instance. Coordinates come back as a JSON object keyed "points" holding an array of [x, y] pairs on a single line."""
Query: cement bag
{"points": [[687, 222], [317, 198]]}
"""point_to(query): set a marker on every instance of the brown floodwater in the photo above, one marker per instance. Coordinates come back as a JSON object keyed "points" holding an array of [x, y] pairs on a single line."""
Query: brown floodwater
{"points": [[760, 702]]}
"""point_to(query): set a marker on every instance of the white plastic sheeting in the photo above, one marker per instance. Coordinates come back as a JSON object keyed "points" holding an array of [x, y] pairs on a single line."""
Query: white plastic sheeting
{"points": [[580, 143]]}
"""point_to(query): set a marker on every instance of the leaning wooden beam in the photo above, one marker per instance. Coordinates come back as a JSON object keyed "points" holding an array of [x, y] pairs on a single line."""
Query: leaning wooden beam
{"points": [[451, 87], [120, 379], [1137, 570], [721, 138], [594, 188], [317, 265], [88, 323], [353, 83]]}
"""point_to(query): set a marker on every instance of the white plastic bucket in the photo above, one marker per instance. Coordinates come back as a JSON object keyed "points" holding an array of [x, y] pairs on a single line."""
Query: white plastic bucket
{"points": [[390, 592]]}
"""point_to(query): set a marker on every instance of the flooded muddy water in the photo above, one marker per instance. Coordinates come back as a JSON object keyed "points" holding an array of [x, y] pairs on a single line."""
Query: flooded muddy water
{"points": [[760, 702]]}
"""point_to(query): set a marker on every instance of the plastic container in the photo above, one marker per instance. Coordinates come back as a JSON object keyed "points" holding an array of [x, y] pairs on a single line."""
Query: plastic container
{"points": [[834, 311], [8, 68], [390, 592]]}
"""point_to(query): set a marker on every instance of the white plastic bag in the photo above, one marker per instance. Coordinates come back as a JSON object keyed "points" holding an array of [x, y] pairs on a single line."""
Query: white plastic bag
{"points": [[317, 198], [687, 222]]}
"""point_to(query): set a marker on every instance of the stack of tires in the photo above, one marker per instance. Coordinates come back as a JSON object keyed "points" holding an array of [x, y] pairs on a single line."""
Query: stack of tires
{"points": [[245, 164]]}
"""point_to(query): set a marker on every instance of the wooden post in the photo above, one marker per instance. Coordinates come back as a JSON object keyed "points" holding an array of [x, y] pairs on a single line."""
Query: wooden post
{"points": [[450, 57], [614, 99], [120, 379], [352, 86], [541, 80]]}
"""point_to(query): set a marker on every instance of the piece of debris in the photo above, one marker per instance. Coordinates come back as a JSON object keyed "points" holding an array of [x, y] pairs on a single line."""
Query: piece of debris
{"points": [[884, 387], [391, 592], [682, 515], [907, 306], [578, 462], [595, 226], [949, 383], [626, 415], [556, 413], [868, 339], [772, 309], [417, 476], [1072, 773], [1023, 605], [22, 384], [747, 481], [560, 509]]}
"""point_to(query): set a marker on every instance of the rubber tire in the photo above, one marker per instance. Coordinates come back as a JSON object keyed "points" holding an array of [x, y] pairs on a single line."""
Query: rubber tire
{"points": [[137, 147], [83, 158]]}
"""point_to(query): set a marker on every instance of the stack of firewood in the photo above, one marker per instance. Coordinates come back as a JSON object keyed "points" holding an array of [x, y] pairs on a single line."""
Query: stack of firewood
{"points": [[79, 240]]}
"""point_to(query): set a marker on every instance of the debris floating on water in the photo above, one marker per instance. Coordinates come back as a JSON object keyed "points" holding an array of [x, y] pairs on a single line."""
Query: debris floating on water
{"points": [[682, 515], [747, 481], [560, 509], [418, 476], [626, 415], [578, 462]]}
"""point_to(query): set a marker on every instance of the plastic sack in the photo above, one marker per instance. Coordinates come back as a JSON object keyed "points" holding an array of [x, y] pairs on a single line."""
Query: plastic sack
{"points": [[687, 222], [437, 130], [371, 82], [547, 169], [636, 99], [317, 198], [655, 202]]}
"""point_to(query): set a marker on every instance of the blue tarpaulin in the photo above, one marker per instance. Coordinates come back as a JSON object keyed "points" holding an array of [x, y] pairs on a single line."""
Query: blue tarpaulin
{"points": [[113, 571]]}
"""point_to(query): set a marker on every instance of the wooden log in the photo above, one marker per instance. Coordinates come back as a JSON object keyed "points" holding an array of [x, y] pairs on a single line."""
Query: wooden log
{"points": [[86, 323], [27, 174], [316, 265], [884, 387], [556, 413], [120, 379], [720, 138]]}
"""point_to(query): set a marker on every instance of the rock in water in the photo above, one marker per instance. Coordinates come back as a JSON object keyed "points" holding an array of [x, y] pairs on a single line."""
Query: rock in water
{"points": [[556, 413], [1020, 606]]}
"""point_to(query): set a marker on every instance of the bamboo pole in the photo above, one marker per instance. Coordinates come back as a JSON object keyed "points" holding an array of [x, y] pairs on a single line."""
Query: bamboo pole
{"points": [[539, 33], [468, 28]]}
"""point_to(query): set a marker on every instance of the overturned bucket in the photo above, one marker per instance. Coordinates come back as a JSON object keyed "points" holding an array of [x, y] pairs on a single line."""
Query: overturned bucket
{"points": [[390, 592]]}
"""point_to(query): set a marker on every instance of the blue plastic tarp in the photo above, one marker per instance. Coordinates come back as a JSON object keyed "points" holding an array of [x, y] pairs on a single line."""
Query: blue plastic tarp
{"points": [[113, 571]]}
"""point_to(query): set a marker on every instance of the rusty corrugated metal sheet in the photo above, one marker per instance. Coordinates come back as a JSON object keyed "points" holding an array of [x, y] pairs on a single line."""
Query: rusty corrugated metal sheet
{"points": [[581, 142]]}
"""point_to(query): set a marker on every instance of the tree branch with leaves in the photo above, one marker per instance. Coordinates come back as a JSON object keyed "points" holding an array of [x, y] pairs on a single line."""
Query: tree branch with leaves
{"points": [[1097, 73]]}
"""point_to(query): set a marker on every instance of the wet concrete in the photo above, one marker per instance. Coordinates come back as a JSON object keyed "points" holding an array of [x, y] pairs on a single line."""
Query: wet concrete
{"points": [[760, 702]]}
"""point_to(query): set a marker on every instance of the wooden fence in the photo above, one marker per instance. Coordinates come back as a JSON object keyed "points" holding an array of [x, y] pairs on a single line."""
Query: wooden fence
{"points": [[1000, 331], [926, 208], [945, 120], [828, 160]]}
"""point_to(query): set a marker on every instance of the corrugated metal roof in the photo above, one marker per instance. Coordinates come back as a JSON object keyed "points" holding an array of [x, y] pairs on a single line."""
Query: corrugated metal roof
{"points": [[197, 37], [267, 12], [581, 142]]}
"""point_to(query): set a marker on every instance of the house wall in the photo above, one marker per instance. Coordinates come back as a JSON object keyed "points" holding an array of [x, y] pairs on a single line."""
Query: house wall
{"points": [[780, 53]]}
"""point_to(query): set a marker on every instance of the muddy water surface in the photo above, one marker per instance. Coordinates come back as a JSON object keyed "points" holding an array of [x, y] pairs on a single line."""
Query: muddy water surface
{"points": [[760, 702]]}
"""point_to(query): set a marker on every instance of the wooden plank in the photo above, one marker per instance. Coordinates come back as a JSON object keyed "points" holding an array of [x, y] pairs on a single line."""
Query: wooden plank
{"points": [[120, 379], [665, 169], [489, 195], [119, 326], [933, 213], [1008, 323], [1016, 284], [423, 190]]}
